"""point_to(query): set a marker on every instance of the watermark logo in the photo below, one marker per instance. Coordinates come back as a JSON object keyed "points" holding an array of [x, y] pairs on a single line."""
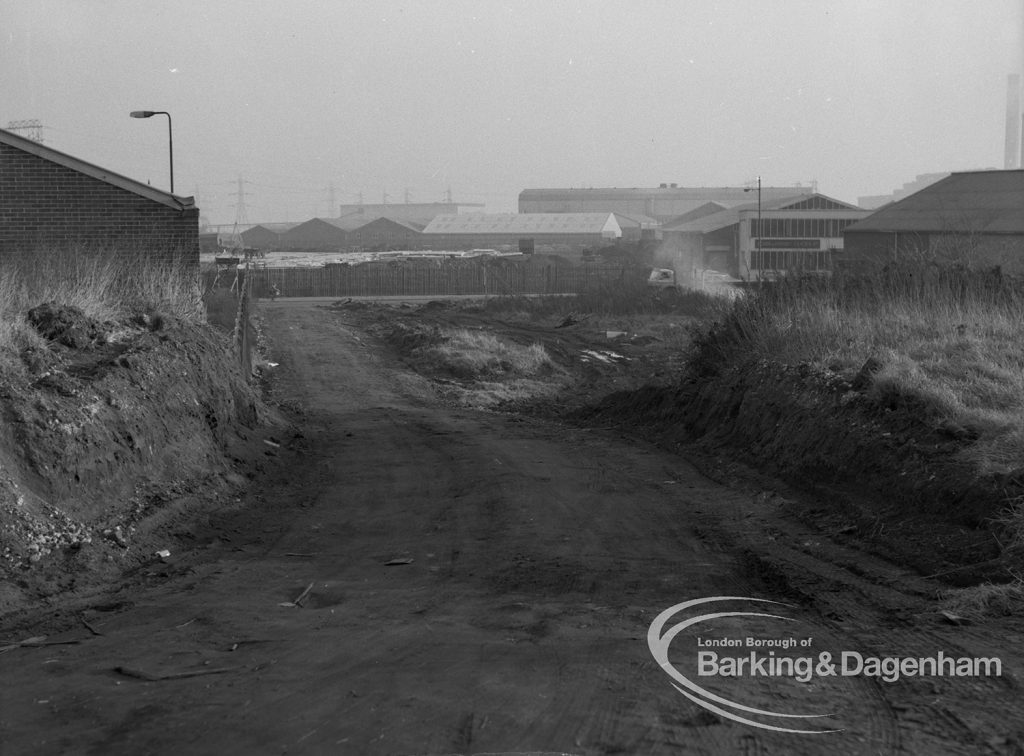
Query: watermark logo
{"points": [[789, 656], [659, 640]]}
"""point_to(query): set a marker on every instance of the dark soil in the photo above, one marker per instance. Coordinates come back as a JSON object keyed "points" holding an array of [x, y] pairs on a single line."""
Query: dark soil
{"points": [[884, 477], [104, 429]]}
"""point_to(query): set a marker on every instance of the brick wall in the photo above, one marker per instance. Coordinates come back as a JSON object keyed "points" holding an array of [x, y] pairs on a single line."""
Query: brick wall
{"points": [[44, 205]]}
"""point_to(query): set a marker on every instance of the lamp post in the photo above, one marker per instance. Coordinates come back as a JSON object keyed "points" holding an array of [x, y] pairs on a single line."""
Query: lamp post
{"points": [[760, 231], [170, 135]]}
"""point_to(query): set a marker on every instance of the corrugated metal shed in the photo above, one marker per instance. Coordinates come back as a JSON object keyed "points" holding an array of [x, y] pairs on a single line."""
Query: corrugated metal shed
{"points": [[526, 224], [989, 202]]}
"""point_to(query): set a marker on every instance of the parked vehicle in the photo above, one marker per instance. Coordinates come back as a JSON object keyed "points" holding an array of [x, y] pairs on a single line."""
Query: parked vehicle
{"points": [[662, 278]]}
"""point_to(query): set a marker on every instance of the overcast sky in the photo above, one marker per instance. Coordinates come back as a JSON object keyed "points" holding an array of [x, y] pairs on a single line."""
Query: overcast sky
{"points": [[488, 98]]}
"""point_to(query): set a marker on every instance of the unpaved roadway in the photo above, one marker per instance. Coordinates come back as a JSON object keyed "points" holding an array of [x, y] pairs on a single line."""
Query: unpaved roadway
{"points": [[477, 583]]}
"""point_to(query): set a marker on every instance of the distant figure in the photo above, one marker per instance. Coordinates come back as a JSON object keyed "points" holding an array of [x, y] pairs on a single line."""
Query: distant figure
{"points": [[274, 292]]}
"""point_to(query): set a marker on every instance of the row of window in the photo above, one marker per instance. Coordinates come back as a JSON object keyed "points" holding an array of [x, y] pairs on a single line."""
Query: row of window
{"points": [[789, 259], [795, 228]]}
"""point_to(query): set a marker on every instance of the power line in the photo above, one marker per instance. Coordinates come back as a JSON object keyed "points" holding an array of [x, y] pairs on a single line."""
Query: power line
{"points": [[32, 127], [241, 218]]}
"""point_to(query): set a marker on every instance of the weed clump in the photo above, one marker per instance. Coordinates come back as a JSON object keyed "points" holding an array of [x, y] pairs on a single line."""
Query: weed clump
{"points": [[72, 294], [477, 355]]}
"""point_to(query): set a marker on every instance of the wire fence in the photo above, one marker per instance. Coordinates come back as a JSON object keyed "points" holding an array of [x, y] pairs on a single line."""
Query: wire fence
{"points": [[243, 332]]}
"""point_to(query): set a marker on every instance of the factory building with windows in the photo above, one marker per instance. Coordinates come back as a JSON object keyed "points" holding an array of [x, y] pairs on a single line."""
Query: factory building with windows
{"points": [[757, 240]]}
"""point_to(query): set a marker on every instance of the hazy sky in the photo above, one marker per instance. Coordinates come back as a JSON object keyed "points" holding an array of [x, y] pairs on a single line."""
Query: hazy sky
{"points": [[488, 98]]}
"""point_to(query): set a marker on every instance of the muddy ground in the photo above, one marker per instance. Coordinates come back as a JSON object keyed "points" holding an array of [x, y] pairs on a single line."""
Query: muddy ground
{"points": [[405, 575]]}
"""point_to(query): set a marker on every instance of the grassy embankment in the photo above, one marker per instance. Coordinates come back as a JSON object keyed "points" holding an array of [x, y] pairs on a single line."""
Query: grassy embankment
{"points": [[109, 286], [943, 345]]}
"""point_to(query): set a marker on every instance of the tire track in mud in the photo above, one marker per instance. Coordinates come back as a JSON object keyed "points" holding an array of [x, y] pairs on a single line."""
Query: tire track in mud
{"points": [[879, 610]]}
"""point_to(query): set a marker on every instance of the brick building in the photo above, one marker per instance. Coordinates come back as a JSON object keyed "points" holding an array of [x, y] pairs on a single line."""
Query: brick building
{"points": [[51, 200]]}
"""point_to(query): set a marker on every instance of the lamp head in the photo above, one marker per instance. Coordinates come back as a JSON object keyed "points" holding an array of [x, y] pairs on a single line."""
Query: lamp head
{"points": [[142, 113]]}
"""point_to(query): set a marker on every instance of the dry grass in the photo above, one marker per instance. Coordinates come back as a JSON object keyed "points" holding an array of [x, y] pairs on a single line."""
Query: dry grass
{"points": [[1011, 522], [948, 341], [474, 367], [985, 600], [477, 355], [107, 285]]}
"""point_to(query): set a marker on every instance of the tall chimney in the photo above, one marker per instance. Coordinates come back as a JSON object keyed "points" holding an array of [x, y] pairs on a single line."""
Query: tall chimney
{"points": [[1013, 122]]}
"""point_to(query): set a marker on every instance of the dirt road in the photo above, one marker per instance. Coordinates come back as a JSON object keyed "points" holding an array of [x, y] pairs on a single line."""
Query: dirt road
{"points": [[419, 580]]}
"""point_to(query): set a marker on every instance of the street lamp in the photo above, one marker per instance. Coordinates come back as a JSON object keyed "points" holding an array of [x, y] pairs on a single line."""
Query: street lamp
{"points": [[760, 230], [170, 136]]}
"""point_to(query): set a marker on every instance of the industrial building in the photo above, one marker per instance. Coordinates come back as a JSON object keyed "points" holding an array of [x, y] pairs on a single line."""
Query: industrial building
{"points": [[324, 234], [566, 234], [414, 212], [664, 203], [265, 235], [384, 234], [637, 228], [758, 239], [971, 217], [51, 200]]}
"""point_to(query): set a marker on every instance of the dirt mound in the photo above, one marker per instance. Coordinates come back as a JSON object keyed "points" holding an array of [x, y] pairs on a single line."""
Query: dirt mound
{"points": [[110, 424], [881, 474], [66, 325]]}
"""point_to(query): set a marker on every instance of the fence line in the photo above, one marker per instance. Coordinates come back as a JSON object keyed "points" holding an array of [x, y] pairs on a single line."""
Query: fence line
{"points": [[435, 280], [242, 335]]}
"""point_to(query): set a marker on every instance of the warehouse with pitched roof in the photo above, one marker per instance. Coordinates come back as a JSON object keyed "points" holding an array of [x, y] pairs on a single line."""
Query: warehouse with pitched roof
{"points": [[972, 217], [265, 235], [323, 234], [385, 234]]}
